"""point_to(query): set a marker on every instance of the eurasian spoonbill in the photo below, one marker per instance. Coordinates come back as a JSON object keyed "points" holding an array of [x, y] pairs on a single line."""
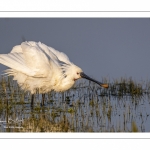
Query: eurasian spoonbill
{"points": [[38, 66]]}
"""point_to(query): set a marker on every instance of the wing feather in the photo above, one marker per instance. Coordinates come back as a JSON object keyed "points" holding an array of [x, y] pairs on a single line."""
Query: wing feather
{"points": [[60, 55], [34, 59], [14, 61]]}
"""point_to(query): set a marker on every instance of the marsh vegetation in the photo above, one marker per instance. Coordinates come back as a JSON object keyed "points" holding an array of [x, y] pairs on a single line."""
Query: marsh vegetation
{"points": [[123, 107]]}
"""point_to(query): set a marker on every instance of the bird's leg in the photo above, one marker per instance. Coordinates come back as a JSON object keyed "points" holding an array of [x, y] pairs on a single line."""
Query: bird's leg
{"points": [[43, 99], [32, 100]]}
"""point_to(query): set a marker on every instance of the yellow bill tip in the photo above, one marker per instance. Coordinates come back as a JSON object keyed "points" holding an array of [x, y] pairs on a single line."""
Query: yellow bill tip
{"points": [[105, 85]]}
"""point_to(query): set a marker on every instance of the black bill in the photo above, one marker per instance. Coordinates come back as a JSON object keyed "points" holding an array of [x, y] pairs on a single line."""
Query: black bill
{"points": [[83, 75]]}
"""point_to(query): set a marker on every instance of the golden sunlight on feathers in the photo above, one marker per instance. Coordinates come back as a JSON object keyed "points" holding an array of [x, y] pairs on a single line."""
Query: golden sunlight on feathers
{"points": [[37, 66]]}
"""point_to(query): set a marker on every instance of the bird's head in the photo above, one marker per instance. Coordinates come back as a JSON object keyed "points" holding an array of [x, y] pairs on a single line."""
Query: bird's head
{"points": [[75, 72]]}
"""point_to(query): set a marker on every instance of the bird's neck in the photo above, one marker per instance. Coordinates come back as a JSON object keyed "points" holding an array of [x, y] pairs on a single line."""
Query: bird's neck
{"points": [[65, 84]]}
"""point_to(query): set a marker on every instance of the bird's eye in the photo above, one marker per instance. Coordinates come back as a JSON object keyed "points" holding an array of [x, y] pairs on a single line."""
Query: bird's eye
{"points": [[77, 73]]}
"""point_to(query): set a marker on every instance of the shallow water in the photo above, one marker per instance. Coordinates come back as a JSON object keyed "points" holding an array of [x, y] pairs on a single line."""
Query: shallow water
{"points": [[82, 109]]}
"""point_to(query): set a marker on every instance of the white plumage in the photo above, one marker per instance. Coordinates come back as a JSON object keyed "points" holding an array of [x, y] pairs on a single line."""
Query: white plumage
{"points": [[36, 65]]}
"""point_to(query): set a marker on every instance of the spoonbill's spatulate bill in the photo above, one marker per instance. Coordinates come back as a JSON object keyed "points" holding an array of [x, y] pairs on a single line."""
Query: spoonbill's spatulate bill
{"points": [[38, 66]]}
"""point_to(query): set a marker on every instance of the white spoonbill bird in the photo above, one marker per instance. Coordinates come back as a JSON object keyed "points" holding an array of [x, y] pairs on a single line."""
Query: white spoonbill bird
{"points": [[37, 66]]}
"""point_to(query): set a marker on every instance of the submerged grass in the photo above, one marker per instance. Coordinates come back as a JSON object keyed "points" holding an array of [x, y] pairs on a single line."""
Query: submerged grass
{"points": [[84, 108], [44, 125]]}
